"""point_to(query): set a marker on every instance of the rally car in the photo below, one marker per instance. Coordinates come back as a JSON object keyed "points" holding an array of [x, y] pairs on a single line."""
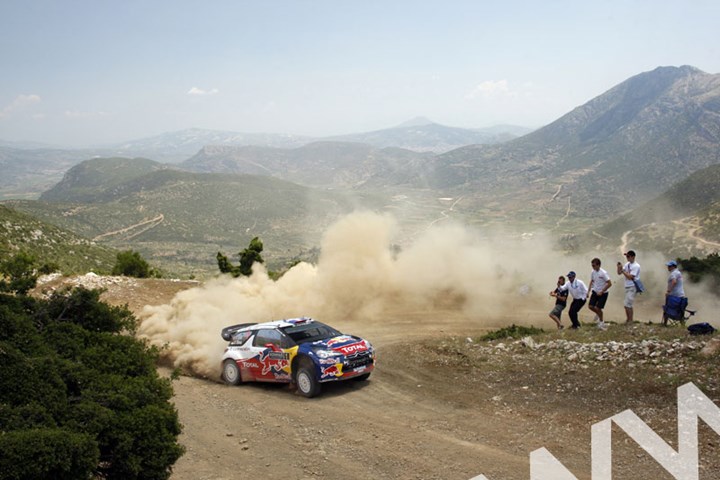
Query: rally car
{"points": [[302, 351]]}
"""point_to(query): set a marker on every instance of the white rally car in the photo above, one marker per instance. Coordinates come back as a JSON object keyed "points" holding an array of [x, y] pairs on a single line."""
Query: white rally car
{"points": [[298, 350]]}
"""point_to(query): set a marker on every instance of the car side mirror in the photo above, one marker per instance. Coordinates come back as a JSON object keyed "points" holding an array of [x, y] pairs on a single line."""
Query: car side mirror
{"points": [[272, 347]]}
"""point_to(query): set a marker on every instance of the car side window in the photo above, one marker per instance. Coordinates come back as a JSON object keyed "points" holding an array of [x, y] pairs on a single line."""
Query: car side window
{"points": [[241, 337], [265, 336]]}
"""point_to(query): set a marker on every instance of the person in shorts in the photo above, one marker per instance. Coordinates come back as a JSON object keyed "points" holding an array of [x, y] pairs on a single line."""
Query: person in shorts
{"points": [[560, 302], [631, 272], [599, 284]]}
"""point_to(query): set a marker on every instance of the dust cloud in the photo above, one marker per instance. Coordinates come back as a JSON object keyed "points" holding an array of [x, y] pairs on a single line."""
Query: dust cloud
{"points": [[360, 276]]}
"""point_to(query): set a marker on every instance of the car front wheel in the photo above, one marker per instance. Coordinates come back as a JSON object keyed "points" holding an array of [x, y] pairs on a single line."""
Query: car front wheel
{"points": [[231, 372], [307, 384]]}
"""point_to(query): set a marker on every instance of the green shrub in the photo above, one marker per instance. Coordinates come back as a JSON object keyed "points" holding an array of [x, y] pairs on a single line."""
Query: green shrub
{"points": [[513, 331], [20, 274], [79, 398], [248, 257], [47, 453], [131, 264], [698, 269]]}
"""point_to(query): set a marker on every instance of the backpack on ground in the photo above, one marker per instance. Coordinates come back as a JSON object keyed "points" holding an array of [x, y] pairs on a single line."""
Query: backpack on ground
{"points": [[701, 329]]}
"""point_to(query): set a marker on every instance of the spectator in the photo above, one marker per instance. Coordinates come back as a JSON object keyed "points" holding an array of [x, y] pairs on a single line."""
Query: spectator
{"points": [[631, 272], [560, 302], [675, 300], [578, 290], [599, 284]]}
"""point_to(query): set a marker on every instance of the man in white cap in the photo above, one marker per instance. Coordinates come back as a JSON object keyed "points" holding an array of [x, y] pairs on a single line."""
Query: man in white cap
{"points": [[675, 280], [675, 300], [578, 290]]}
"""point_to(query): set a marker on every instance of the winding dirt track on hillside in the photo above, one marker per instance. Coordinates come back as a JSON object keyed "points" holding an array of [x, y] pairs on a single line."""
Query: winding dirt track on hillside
{"points": [[692, 229], [445, 213], [143, 227]]}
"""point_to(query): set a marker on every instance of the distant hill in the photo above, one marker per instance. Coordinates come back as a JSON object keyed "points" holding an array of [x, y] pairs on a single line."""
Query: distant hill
{"points": [[99, 179], [319, 164], [684, 220], [21, 232], [422, 135], [28, 172], [177, 146], [181, 219], [616, 151]]}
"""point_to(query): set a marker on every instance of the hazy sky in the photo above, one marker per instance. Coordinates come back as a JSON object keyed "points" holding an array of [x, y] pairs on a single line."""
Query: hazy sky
{"points": [[99, 71]]}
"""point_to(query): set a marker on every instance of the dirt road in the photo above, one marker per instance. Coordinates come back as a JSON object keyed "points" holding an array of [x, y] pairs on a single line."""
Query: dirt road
{"points": [[422, 415], [399, 424], [392, 426]]}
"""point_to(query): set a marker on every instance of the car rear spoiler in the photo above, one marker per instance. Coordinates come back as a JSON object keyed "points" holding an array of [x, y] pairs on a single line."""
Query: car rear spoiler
{"points": [[228, 332]]}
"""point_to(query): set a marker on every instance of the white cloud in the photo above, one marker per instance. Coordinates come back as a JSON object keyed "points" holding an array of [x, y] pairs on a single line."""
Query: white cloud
{"points": [[200, 92], [20, 103], [490, 89]]}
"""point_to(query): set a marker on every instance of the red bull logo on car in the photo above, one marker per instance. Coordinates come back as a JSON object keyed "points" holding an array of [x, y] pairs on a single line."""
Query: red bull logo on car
{"points": [[337, 340], [332, 371], [274, 362]]}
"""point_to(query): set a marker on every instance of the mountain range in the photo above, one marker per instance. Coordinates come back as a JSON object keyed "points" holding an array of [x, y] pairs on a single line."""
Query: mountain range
{"points": [[31, 169], [624, 157], [423, 135], [618, 150]]}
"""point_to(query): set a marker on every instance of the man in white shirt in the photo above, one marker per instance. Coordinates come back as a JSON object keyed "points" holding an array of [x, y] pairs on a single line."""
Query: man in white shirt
{"points": [[599, 284], [578, 290], [631, 272]]}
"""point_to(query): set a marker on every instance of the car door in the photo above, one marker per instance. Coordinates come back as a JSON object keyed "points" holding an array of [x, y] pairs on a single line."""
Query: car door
{"points": [[269, 362]]}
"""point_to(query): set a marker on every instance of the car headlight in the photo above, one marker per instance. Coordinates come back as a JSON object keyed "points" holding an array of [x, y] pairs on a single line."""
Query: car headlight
{"points": [[327, 353]]}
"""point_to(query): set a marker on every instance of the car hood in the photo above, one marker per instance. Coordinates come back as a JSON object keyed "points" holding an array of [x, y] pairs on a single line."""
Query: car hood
{"points": [[345, 344]]}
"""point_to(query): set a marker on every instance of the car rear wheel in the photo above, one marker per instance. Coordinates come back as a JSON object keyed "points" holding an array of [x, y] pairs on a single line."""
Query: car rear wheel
{"points": [[231, 372], [307, 384]]}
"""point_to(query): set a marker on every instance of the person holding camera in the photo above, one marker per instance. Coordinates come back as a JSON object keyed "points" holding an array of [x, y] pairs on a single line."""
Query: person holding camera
{"points": [[631, 272]]}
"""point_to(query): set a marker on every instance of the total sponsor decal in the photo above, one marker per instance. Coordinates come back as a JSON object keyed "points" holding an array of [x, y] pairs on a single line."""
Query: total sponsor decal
{"points": [[352, 348], [332, 371]]}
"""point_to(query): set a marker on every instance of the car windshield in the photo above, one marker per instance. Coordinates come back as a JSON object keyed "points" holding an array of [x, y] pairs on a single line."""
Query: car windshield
{"points": [[310, 332]]}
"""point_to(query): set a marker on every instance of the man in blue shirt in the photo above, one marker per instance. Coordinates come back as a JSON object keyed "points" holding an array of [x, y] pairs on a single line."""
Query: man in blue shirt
{"points": [[675, 301]]}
